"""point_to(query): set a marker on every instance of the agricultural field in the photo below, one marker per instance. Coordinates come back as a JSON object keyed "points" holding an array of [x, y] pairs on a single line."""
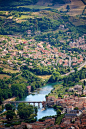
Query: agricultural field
{"points": [[4, 76], [10, 70], [76, 7], [45, 77], [34, 7], [77, 21]]}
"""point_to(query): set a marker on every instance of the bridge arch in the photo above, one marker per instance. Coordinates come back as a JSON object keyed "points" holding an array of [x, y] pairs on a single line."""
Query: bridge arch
{"points": [[34, 102]]}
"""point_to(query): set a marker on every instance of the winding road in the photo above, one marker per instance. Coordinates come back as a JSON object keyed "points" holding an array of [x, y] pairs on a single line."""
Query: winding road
{"points": [[80, 67]]}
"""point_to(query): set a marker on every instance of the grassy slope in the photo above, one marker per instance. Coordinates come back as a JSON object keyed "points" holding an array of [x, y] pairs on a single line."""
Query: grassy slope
{"points": [[76, 7], [4, 76], [44, 77]]}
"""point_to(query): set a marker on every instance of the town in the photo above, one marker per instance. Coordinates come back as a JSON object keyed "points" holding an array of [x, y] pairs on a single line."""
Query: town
{"points": [[75, 114], [42, 53]]}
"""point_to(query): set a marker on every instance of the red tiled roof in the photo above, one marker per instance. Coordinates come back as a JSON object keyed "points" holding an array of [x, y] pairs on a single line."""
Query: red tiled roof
{"points": [[28, 87]]}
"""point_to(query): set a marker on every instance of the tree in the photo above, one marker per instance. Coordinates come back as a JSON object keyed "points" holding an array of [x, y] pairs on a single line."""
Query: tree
{"points": [[36, 110], [58, 112], [68, 8], [10, 114], [19, 89], [1, 96], [84, 82], [59, 95], [83, 88], [75, 69], [1, 70], [8, 107], [27, 112], [76, 108], [55, 77]]}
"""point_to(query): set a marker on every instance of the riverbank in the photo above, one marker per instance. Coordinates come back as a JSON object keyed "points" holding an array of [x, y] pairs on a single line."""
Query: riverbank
{"points": [[57, 89], [38, 95], [0, 108], [10, 99], [7, 100]]}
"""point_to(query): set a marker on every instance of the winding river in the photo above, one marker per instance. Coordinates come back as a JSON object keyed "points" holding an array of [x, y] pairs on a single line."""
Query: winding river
{"points": [[39, 95]]}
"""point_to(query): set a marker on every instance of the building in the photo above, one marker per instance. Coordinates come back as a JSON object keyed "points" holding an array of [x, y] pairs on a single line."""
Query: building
{"points": [[78, 87], [69, 108], [73, 113], [29, 89]]}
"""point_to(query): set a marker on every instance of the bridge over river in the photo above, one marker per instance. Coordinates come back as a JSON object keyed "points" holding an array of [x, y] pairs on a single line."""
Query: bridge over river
{"points": [[30, 102]]}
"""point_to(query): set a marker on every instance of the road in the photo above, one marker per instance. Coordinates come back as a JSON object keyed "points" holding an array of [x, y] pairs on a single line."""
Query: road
{"points": [[80, 67]]}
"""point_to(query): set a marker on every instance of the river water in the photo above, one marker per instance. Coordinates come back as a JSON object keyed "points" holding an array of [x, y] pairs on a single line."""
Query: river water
{"points": [[39, 95]]}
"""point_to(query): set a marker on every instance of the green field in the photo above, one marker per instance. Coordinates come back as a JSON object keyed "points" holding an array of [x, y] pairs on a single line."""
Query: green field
{"points": [[34, 7], [25, 17]]}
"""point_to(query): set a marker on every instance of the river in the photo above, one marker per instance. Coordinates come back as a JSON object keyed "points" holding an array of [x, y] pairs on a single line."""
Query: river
{"points": [[39, 95]]}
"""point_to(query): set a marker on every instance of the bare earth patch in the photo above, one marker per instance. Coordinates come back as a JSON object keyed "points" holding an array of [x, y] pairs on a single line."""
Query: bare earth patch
{"points": [[83, 80], [76, 7], [45, 77], [10, 99], [10, 71], [3, 76]]}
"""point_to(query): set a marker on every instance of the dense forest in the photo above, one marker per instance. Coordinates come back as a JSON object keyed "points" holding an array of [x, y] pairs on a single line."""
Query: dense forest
{"points": [[71, 79], [18, 85]]}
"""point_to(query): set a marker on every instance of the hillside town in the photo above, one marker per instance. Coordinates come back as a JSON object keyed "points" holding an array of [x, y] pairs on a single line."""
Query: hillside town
{"points": [[42, 53], [79, 43]]}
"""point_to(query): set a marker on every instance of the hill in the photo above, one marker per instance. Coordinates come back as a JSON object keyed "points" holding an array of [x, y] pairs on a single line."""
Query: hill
{"points": [[13, 3], [28, 2]]}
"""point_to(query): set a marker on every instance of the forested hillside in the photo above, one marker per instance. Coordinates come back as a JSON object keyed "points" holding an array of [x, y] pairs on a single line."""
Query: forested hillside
{"points": [[16, 84], [14, 3], [28, 2]]}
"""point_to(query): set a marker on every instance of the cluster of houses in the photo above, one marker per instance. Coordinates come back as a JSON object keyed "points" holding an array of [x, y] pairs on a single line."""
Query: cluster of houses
{"points": [[68, 102], [76, 61], [78, 90], [76, 123], [42, 53], [78, 43], [73, 117]]}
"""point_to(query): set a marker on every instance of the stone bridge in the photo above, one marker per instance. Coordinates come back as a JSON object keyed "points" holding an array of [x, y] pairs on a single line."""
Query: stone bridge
{"points": [[33, 102]]}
